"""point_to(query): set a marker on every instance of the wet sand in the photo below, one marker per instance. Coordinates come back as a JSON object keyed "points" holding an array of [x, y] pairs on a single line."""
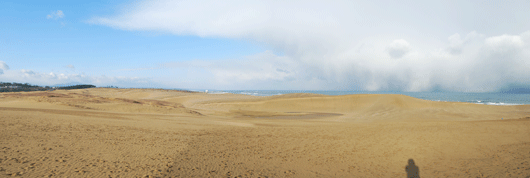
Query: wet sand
{"points": [[158, 133]]}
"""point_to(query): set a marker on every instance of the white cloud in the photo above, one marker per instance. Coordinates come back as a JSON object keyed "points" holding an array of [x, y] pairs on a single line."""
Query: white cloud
{"points": [[140, 69], [456, 43], [70, 66], [55, 15], [263, 66], [349, 45], [3, 66], [264, 70], [398, 48], [504, 42]]}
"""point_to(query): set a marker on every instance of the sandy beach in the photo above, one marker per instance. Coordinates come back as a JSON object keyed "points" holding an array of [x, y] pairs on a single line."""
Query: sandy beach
{"points": [[103, 132]]}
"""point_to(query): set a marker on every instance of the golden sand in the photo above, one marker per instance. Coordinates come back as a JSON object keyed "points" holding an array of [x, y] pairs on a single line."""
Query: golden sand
{"points": [[158, 133]]}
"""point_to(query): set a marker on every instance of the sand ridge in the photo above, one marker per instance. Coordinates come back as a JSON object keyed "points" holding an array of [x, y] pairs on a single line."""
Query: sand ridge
{"points": [[103, 132]]}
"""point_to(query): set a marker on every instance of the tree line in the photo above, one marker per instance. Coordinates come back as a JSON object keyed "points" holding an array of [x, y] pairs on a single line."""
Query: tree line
{"points": [[16, 87]]}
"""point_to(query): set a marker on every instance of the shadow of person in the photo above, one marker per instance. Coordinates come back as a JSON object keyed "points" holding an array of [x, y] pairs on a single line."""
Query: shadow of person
{"points": [[412, 170]]}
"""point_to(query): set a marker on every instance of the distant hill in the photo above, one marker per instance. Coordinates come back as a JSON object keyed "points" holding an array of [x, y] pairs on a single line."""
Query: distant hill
{"points": [[17, 87], [77, 87], [66, 84], [517, 91]]}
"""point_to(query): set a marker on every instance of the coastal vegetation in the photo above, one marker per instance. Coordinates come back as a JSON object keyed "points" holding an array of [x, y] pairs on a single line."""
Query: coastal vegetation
{"points": [[17, 87]]}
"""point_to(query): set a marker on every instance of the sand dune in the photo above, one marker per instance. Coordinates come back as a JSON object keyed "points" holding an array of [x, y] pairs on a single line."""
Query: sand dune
{"points": [[159, 133]]}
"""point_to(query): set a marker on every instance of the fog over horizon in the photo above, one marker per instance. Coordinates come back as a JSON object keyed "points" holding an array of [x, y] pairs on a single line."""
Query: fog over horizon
{"points": [[408, 46]]}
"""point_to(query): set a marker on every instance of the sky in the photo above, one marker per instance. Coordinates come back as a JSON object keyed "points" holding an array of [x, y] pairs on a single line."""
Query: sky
{"points": [[414, 46]]}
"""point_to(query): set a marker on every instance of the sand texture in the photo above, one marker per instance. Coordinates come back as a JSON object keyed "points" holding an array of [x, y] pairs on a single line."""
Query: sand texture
{"points": [[158, 133]]}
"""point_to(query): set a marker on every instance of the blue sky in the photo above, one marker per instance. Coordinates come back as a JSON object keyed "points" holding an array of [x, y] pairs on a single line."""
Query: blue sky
{"points": [[471, 46], [68, 44]]}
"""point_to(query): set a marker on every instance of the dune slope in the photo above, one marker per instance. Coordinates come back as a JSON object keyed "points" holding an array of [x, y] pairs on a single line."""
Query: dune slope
{"points": [[159, 133]]}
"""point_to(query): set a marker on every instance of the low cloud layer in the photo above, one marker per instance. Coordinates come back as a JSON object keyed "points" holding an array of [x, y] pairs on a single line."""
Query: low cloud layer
{"points": [[348, 46], [52, 78]]}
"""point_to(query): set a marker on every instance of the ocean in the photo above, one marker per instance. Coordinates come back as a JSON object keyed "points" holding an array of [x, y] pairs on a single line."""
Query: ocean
{"points": [[477, 98]]}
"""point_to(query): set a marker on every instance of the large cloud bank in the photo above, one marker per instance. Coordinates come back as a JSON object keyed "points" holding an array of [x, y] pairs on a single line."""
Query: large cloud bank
{"points": [[375, 45]]}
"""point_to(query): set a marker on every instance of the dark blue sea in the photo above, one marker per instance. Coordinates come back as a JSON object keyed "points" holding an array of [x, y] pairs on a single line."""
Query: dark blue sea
{"points": [[478, 98]]}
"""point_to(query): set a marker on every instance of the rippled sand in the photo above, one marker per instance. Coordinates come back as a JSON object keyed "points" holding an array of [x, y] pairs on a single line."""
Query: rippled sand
{"points": [[158, 133]]}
